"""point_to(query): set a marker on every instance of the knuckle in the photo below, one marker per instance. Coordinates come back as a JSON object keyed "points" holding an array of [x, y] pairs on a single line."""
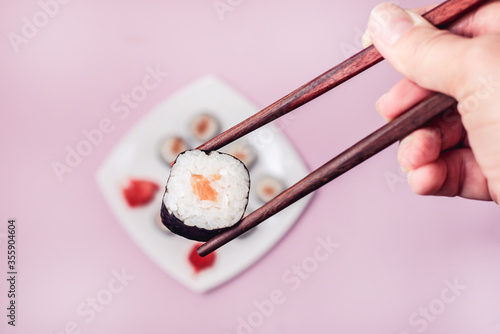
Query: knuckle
{"points": [[424, 44], [427, 146]]}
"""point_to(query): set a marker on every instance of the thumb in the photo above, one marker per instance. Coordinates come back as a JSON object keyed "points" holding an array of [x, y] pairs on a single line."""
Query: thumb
{"points": [[418, 50]]}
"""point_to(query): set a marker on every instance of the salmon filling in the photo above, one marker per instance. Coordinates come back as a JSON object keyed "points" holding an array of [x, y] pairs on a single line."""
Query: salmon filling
{"points": [[177, 146], [202, 188], [269, 191], [202, 126]]}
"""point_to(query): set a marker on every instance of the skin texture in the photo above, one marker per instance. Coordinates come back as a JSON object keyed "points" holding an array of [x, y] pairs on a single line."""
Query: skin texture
{"points": [[458, 154]]}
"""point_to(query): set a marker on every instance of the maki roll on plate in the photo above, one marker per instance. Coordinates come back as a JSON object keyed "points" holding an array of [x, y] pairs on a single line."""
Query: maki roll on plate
{"points": [[170, 148], [268, 187], [206, 193], [243, 151], [204, 127]]}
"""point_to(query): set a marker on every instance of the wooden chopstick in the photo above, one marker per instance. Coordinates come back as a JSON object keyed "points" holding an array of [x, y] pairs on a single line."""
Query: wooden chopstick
{"points": [[388, 134], [440, 16]]}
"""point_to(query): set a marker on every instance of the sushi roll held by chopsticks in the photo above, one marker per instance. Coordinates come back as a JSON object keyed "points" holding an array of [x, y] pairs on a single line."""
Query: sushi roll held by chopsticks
{"points": [[206, 193]]}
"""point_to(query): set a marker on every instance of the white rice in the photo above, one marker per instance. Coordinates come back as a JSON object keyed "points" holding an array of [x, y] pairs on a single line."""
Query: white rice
{"points": [[232, 190]]}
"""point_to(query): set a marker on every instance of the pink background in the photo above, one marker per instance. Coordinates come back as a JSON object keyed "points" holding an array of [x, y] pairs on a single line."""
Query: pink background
{"points": [[397, 249]]}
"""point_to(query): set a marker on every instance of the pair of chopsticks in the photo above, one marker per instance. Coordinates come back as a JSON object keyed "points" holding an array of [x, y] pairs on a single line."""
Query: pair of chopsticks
{"points": [[393, 131]]}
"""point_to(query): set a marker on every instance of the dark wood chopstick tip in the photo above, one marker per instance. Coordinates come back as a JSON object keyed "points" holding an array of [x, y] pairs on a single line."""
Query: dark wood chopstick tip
{"points": [[204, 249]]}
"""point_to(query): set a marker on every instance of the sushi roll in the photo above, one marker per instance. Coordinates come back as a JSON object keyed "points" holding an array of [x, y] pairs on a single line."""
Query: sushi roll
{"points": [[171, 147], [243, 151], [160, 225], [268, 187], [206, 193], [204, 127]]}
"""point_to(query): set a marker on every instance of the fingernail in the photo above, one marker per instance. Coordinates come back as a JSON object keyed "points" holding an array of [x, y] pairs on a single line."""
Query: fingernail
{"points": [[409, 177], [377, 107], [405, 141], [366, 41], [377, 104], [388, 23], [403, 146]]}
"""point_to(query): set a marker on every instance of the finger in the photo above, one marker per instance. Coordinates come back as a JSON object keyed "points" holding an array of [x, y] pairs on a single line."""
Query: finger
{"points": [[401, 97], [450, 127], [366, 40], [425, 145], [423, 9], [406, 93], [455, 173], [417, 49], [484, 20], [421, 147]]}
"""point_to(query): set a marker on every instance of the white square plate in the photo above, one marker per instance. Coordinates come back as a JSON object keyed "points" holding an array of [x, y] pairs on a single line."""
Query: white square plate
{"points": [[136, 156]]}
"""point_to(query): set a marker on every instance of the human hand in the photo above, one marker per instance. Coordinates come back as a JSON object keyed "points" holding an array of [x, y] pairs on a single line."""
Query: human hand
{"points": [[457, 154]]}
